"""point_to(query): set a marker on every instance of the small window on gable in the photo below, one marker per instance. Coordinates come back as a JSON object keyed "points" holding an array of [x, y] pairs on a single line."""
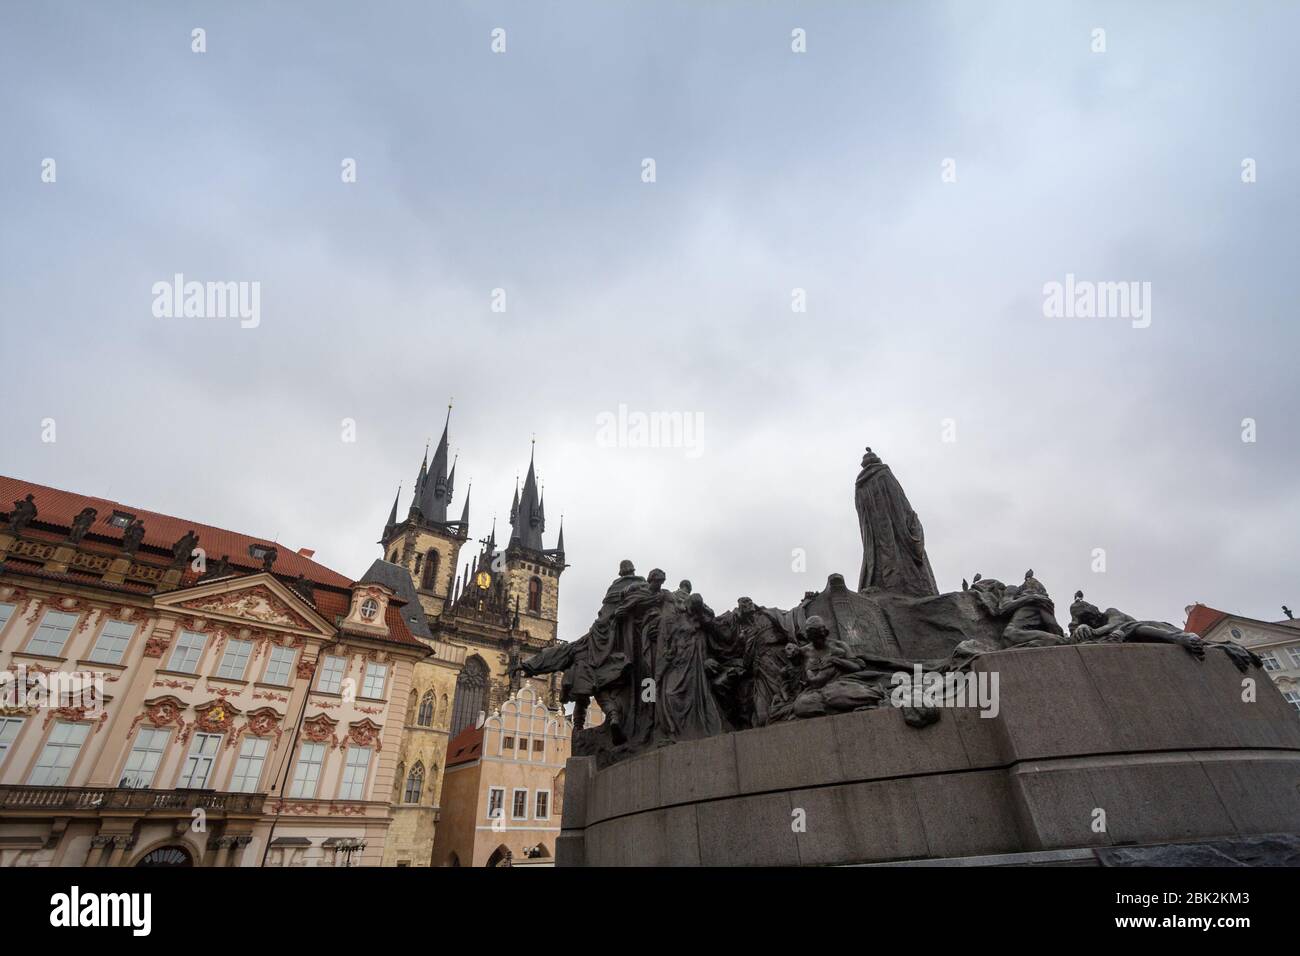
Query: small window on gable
{"points": [[121, 519], [258, 552]]}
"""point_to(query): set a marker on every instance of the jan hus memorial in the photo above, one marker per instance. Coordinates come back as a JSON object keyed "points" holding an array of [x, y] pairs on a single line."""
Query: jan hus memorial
{"points": [[889, 722]]}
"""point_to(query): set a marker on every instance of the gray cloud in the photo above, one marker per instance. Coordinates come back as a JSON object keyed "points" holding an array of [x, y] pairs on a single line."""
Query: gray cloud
{"points": [[775, 171]]}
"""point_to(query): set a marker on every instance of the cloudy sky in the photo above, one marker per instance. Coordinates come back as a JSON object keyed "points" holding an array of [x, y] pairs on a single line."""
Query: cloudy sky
{"points": [[774, 171]]}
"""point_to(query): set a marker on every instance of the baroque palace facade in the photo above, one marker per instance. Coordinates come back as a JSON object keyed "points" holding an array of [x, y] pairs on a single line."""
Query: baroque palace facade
{"points": [[247, 705]]}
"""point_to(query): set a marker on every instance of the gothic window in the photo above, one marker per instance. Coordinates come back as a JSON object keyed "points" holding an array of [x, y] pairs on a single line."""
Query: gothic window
{"points": [[535, 594], [414, 784], [471, 692], [426, 710], [430, 571]]}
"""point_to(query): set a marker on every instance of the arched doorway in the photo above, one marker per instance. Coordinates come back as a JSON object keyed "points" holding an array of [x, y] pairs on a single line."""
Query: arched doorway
{"points": [[171, 854], [500, 857]]}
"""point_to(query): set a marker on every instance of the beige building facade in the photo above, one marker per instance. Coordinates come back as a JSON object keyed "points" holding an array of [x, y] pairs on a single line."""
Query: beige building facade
{"points": [[1276, 642], [504, 786]]}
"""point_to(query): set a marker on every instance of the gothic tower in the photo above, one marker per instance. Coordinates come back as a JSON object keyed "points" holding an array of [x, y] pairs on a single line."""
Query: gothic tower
{"points": [[426, 544], [531, 570]]}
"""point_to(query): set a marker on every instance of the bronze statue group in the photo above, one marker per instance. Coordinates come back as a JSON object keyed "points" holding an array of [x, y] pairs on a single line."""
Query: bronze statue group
{"points": [[664, 668]]}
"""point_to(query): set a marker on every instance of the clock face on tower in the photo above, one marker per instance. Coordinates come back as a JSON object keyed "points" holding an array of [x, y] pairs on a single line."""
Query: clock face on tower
{"points": [[483, 579]]}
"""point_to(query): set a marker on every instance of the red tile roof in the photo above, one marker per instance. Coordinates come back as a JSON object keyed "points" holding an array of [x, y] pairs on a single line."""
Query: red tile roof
{"points": [[1201, 618], [466, 746], [58, 508]]}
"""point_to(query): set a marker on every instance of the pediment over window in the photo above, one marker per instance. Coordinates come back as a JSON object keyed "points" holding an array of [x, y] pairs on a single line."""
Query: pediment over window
{"points": [[256, 599]]}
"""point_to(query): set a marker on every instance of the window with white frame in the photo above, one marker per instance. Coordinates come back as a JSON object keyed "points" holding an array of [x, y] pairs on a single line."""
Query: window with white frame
{"points": [[306, 776], [331, 674], [146, 754], [519, 804], [543, 805], [58, 755], [198, 765], [112, 642], [9, 727], [186, 653], [52, 634], [248, 768], [1271, 663], [1293, 652], [496, 802], [1293, 698], [354, 774], [376, 677], [6, 612], [235, 660], [280, 666]]}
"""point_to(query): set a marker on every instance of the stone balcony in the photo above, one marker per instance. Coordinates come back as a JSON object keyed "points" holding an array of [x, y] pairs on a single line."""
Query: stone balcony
{"points": [[42, 801]]}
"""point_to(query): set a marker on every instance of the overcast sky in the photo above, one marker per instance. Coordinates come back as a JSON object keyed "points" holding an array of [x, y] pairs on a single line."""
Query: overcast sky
{"points": [[774, 171]]}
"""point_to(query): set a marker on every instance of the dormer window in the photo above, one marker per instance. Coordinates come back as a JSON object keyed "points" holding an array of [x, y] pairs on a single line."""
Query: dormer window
{"points": [[259, 552], [121, 519], [369, 608]]}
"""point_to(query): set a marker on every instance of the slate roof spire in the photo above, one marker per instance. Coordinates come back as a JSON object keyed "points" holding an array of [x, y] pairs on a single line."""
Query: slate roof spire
{"points": [[527, 520], [419, 482], [464, 512], [392, 515], [435, 493]]}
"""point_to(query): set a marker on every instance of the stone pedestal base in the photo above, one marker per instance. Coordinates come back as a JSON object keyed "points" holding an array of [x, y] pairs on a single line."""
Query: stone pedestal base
{"points": [[1093, 746]]}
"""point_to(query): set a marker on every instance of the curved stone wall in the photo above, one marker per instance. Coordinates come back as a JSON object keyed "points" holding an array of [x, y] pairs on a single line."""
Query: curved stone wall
{"points": [[1162, 744]]}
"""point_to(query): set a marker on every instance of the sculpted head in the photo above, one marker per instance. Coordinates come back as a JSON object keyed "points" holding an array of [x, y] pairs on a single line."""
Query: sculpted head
{"points": [[626, 568], [685, 586], [870, 458], [1085, 612], [656, 579], [816, 630], [745, 608]]}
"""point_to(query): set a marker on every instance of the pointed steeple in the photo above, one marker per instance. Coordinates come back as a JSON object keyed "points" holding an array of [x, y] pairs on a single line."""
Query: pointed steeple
{"points": [[451, 478], [464, 512], [492, 538], [559, 545], [514, 505], [436, 491], [526, 526], [541, 507], [419, 481], [392, 515]]}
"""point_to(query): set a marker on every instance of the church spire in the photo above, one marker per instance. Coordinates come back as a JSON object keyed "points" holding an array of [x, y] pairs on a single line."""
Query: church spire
{"points": [[419, 480], [464, 512], [392, 515], [527, 519], [436, 491], [559, 545]]}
